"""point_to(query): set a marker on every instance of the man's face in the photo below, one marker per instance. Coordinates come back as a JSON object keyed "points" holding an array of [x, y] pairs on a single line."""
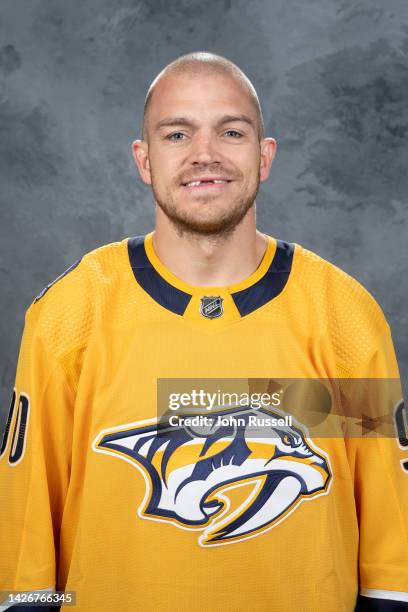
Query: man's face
{"points": [[194, 136]]}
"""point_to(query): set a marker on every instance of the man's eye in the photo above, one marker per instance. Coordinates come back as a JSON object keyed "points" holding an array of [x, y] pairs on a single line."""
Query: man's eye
{"points": [[234, 132], [171, 136]]}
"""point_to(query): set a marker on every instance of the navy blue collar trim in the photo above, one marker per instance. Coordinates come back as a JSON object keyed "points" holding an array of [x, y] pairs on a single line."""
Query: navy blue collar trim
{"points": [[150, 280], [271, 284], [176, 300]]}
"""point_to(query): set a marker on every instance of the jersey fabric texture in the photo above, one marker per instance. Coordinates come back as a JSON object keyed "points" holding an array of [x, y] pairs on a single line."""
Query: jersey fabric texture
{"points": [[91, 500]]}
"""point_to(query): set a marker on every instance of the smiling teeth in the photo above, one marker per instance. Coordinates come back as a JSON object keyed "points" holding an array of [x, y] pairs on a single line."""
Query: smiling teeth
{"points": [[197, 183], [193, 184]]}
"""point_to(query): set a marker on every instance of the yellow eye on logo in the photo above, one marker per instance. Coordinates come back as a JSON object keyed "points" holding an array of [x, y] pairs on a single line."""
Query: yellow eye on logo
{"points": [[286, 439]]}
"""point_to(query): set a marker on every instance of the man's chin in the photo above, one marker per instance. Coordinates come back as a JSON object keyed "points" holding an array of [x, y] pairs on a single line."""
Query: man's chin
{"points": [[204, 227], [208, 218]]}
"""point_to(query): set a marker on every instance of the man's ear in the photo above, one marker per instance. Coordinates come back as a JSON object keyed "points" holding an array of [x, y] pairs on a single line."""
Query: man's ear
{"points": [[140, 150], [268, 151]]}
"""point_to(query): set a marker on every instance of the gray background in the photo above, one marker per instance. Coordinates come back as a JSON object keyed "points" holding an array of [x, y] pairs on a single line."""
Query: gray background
{"points": [[332, 76]]}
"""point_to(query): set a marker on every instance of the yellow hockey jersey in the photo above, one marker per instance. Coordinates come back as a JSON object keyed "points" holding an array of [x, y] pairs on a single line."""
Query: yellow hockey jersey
{"points": [[96, 500]]}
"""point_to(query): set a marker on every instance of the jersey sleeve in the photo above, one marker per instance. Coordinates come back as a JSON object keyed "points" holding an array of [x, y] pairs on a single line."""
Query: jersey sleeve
{"points": [[381, 493], [35, 462]]}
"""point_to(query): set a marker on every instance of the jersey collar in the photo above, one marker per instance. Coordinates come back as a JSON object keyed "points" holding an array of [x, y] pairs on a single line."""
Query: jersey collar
{"points": [[263, 285]]}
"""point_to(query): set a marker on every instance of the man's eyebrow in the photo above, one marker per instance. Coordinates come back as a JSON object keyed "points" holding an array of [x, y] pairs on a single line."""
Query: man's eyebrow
{"points": [[234, 118], [175, 121]]}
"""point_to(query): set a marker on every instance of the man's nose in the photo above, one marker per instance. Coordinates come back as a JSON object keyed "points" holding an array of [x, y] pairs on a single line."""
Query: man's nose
{"points": [[204, 149]]}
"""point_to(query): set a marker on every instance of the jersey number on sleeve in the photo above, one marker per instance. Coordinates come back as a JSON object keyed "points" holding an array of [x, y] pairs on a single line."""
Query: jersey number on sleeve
{"points": [[401, 424], [20, 428]]}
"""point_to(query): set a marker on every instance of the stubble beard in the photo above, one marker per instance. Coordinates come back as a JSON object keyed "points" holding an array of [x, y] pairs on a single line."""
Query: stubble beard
{"points": [[221, 225]]}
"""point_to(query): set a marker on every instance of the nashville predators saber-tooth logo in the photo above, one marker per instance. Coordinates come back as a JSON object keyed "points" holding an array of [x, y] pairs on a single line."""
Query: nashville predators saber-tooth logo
{"points": [[225, 482]]}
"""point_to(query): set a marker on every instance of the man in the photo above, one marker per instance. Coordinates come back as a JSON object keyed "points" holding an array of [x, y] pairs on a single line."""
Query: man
{"points": [[106, 495]]}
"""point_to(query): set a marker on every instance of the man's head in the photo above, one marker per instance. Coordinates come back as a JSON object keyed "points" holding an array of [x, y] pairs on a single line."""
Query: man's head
{"points": [[202, 120]]}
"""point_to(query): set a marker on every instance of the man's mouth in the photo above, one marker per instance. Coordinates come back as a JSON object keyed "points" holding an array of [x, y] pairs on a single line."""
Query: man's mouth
{"points": [[207, 184]]}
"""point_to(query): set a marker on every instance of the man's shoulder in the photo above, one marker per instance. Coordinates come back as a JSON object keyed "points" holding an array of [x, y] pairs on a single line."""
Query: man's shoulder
{"points": [[67, 308], [334, 283], [353, 318], [97, 264]]}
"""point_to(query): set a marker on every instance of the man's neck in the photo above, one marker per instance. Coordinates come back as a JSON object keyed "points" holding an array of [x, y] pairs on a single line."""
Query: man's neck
{"points": [[210, 261]]}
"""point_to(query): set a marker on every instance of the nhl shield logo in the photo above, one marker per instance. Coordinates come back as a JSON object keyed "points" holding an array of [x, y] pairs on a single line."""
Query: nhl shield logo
{"points": [[212, 306]]}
